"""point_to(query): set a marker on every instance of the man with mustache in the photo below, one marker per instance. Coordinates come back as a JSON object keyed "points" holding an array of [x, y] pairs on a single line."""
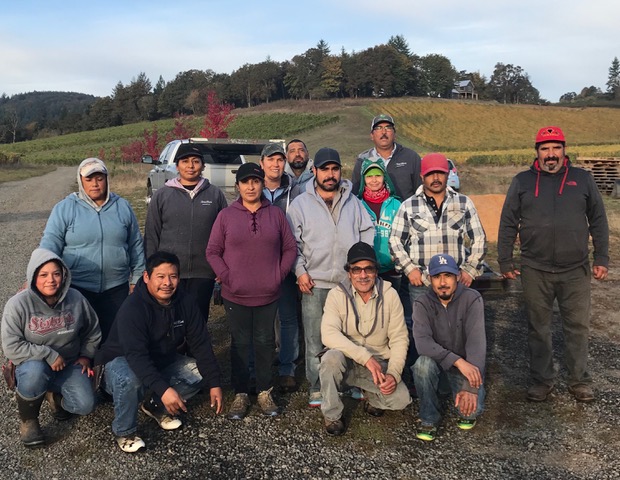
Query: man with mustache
{"points": [[327, 219], [450, 338], [402, 163], [554, 208], [437, 219], [364, 329]]}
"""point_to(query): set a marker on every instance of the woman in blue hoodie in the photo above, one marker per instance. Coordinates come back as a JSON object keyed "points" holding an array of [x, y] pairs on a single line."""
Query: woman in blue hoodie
{"points": [[50, 332], [96, 234]]}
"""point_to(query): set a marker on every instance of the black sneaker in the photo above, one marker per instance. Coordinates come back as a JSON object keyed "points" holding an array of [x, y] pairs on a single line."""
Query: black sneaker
{"points": [[334, 427]]}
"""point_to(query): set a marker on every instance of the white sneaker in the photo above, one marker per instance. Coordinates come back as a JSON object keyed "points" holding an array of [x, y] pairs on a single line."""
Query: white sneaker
{"points": [[130, 444], [165, 421]]}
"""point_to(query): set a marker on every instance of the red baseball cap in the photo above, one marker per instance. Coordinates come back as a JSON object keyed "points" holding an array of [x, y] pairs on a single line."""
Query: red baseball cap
{"points": [[434, 162], [550, 134]]}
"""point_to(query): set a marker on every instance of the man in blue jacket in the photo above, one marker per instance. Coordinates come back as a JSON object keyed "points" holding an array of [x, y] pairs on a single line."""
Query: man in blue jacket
{"points": [[554, 208], [141, 359]]}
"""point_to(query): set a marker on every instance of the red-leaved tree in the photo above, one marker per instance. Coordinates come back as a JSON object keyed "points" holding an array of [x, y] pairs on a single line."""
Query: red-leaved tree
{"points": [[182, 128], [218, 117]]}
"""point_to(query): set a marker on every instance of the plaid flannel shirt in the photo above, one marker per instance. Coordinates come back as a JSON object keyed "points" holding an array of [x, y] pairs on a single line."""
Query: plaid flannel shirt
{"points": [[417, 236]]}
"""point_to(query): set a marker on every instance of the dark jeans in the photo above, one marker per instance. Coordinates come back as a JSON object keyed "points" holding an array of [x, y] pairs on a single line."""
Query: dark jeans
{"points": [[251, 327], [289, 325], [201, 289], [105, 305], [572, 291], [427, 374]]}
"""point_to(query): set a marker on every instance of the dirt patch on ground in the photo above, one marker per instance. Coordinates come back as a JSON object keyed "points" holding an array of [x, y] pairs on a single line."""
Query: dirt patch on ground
{"points": [[489, 209]]}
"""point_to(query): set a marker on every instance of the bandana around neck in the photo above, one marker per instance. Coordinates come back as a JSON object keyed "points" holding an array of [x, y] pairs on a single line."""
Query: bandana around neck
{"points": [[376, 197]]}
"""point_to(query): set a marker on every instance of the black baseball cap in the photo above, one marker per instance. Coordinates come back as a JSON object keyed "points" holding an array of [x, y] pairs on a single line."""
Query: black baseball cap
{"points": [[248, 170], [326, 155]]}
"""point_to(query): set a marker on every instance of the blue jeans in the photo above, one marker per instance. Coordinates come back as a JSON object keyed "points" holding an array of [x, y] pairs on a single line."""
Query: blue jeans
{"points": [[427, 375], [127, 390], [289, 327], [311, 313], [35, 377], [337, 370]]}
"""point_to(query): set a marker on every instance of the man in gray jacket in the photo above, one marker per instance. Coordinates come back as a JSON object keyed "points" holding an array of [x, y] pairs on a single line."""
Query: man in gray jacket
{"points": [[450, 338], [327, 219]]}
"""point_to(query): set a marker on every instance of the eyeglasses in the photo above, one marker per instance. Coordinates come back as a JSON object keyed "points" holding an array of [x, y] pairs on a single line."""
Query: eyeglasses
{"points": [[366, 270], [385, 128]]}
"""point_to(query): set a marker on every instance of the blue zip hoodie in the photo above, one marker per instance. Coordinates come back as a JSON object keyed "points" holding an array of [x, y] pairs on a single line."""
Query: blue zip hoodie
{"points": [[101, 245]]}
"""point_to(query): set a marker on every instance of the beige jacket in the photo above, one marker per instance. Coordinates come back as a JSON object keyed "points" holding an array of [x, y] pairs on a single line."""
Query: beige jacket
{"points": [[360, 330]]}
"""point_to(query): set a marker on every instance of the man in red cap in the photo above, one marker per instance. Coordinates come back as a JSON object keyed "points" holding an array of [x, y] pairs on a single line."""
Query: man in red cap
{"points": [[437, 219], [555, 208]]}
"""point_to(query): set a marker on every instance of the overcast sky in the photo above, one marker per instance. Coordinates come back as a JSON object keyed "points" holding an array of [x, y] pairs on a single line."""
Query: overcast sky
{"points": [[89, 47]]}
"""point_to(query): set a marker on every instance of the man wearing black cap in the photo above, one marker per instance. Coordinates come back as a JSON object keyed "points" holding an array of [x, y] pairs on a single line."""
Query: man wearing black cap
{"points": [[326, 220], [554, 208], [450, 338], [366, 336], [402, 163], [179, 220]]}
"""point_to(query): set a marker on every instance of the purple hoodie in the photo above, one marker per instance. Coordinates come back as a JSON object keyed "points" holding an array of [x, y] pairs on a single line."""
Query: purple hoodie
{"points": [[251, 253]]}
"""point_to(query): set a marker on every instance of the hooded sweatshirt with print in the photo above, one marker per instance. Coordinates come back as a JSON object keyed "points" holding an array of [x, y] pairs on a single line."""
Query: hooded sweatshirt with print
{"points": [[101, 245], [554, 215], [34, 330], [324, 237], [387, 212]]}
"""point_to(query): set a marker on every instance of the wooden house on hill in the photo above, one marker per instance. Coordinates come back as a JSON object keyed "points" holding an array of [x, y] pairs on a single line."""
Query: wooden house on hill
{"points": [[464, 89]]}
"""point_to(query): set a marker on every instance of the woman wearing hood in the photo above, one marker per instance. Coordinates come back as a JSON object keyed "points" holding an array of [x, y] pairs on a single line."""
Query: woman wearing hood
{"points": [[96, 234], [50, 332], [379, 198]]}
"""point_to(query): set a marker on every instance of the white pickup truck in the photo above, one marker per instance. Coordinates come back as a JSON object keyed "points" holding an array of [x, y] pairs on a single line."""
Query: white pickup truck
{"points": [[222, 159]]}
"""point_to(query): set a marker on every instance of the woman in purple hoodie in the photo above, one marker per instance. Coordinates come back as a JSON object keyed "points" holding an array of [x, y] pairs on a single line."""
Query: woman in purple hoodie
{"points": [[251, 250]]}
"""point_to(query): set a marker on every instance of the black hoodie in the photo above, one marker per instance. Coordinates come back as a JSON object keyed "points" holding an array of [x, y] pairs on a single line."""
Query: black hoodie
{"points": [[147, 334], [554, 215]]}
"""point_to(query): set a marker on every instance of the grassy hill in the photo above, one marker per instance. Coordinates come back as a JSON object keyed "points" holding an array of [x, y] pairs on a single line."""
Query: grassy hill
{"points": [[471, 132]]}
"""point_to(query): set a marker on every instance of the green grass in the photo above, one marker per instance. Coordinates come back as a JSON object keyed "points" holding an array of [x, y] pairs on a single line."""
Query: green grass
{"points": [[71, 149]]}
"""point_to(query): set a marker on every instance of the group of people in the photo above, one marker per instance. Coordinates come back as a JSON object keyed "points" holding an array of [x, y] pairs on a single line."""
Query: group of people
{"points": [[378, 270]]}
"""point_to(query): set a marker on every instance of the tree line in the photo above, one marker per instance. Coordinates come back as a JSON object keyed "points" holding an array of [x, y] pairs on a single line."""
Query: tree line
{"points": [[387, 70]]}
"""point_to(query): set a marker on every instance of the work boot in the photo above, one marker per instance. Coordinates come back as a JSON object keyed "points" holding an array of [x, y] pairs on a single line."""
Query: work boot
{"points": [[582, 392], [266, 403], [539, 392], [55, 401], [29, 429]]}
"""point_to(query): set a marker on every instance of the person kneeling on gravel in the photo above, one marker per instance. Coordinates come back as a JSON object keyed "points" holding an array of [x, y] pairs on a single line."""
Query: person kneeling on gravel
{"points": [[140, 358], [364, 330], [449, 335], [50, 332]]}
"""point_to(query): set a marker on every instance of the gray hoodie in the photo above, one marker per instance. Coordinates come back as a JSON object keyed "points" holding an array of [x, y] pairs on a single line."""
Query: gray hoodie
{"points": [[33, 330], [324, 237]]}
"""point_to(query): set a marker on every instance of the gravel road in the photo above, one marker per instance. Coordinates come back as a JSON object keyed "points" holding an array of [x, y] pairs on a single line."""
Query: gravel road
{"points": [[514, 439]]}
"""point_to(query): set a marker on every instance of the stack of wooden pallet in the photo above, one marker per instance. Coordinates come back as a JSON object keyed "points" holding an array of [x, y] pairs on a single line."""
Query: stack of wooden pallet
{"points": [[604, 170]]}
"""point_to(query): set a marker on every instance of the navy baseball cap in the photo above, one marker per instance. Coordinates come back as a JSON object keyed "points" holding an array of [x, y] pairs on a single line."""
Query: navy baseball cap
{"points": [[442, 263]]}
